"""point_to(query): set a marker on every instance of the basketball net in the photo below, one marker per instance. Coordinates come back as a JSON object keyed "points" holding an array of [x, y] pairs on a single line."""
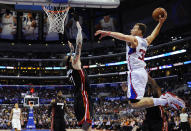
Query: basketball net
{"points": [[56, 17]]}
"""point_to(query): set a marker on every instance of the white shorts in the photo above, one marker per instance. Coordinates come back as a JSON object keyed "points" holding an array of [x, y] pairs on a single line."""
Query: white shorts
{"points": [[137, 80], [16, 123]]}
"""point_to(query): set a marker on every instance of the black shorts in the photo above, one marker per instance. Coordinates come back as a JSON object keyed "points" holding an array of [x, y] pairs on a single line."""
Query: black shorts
{"points": [[185, 126], [154, 125], [59, 124], [83, 108]]}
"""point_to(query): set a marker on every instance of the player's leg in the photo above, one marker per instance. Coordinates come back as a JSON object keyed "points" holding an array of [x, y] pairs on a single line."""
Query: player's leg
{"points": [[137, 81], [19, 125], [14, 124], [147, 102], [56, 126], [63, 125], [157, 126], [79, 108], [82, 110], [87, 125]]}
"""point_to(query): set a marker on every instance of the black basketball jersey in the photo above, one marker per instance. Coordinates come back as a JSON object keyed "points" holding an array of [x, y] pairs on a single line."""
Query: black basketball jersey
{"points": [[156, 112], [58, 109], [79, 79]]}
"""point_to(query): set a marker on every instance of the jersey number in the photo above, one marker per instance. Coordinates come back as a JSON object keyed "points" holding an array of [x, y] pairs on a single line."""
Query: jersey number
{"points": [[69, 74], [143, 52]]}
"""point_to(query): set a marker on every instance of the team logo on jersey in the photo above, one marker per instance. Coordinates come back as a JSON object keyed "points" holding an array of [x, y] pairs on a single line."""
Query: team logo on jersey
{"points": [[60, 104], [143, 44], [131, 50], [69, 72]]}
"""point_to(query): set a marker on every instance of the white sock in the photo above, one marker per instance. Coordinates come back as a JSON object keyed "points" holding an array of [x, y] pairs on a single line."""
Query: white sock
{"points": [[159, 101]]}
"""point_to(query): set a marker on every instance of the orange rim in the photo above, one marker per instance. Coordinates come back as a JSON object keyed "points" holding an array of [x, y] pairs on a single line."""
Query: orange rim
{"points": [[68, 8]]}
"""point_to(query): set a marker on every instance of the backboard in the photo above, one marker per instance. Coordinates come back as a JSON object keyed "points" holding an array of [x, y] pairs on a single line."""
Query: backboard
{"points": [[71, 3]]}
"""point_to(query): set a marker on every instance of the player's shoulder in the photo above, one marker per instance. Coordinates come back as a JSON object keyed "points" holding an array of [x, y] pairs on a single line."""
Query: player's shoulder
{"points": [[142, 41], [140, 38]]}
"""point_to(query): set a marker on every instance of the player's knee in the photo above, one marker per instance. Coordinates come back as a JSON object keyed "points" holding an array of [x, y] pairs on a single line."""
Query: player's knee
{"points": [[133, 105]]}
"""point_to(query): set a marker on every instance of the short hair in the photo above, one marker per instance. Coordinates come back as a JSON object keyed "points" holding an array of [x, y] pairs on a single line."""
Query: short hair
{"points": [[142, 27]]}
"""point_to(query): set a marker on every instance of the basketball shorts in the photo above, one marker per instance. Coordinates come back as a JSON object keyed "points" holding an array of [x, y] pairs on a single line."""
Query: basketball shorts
{"points": [[16, 124], [59, 124], [137, 80], [83, 107], [154, 125]]}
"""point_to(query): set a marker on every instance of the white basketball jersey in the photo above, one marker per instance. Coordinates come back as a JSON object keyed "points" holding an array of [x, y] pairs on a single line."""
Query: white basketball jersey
{"points": [[16, 113], [135, 56]]}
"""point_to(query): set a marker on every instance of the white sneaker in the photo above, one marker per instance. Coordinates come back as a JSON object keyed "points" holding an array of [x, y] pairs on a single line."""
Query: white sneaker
{"points": [[173, 100]]}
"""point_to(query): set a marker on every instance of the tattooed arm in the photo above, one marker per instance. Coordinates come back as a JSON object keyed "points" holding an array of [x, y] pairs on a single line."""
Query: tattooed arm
{"points": [[78, 44], [71, 48]]}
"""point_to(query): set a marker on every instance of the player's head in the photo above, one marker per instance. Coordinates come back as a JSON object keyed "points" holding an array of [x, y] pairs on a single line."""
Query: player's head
{"points": [[16, 105], [183, 110], [59, 94], [139, 29], [106, 18]]}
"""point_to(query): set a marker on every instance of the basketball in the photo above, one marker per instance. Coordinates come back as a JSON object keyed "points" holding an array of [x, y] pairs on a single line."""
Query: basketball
{"points": [[157, 12]]}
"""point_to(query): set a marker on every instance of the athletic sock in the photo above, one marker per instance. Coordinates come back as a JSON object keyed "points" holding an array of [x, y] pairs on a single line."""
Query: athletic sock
{"points": [[159, 101]]}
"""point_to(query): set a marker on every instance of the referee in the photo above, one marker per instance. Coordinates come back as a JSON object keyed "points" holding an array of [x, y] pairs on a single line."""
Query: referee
{"points": [[184, 125], [57, 109]]}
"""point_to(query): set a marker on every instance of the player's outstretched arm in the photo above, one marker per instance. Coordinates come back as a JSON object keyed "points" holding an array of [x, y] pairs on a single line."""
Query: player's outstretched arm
{"points": [[79, 40], [71, 48], [117, 35], [156, 31]]}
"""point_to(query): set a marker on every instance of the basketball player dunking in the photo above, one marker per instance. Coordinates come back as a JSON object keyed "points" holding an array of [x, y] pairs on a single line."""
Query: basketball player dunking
{"points": [[137, 76], [79, 78], [16, 118]]}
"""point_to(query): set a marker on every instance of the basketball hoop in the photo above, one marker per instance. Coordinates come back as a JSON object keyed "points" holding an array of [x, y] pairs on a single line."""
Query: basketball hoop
{"points": [[56, 17]]}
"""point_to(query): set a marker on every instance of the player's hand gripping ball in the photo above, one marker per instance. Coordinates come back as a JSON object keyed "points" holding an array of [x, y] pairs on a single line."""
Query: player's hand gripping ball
{"points": [[158, 12]]}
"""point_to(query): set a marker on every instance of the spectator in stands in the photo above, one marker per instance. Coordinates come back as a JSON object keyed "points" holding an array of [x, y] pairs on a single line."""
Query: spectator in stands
{"points": [[106, 24]]}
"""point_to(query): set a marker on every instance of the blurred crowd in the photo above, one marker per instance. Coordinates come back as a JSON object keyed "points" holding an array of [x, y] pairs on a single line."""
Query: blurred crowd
{"points": [[110, 114]]}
